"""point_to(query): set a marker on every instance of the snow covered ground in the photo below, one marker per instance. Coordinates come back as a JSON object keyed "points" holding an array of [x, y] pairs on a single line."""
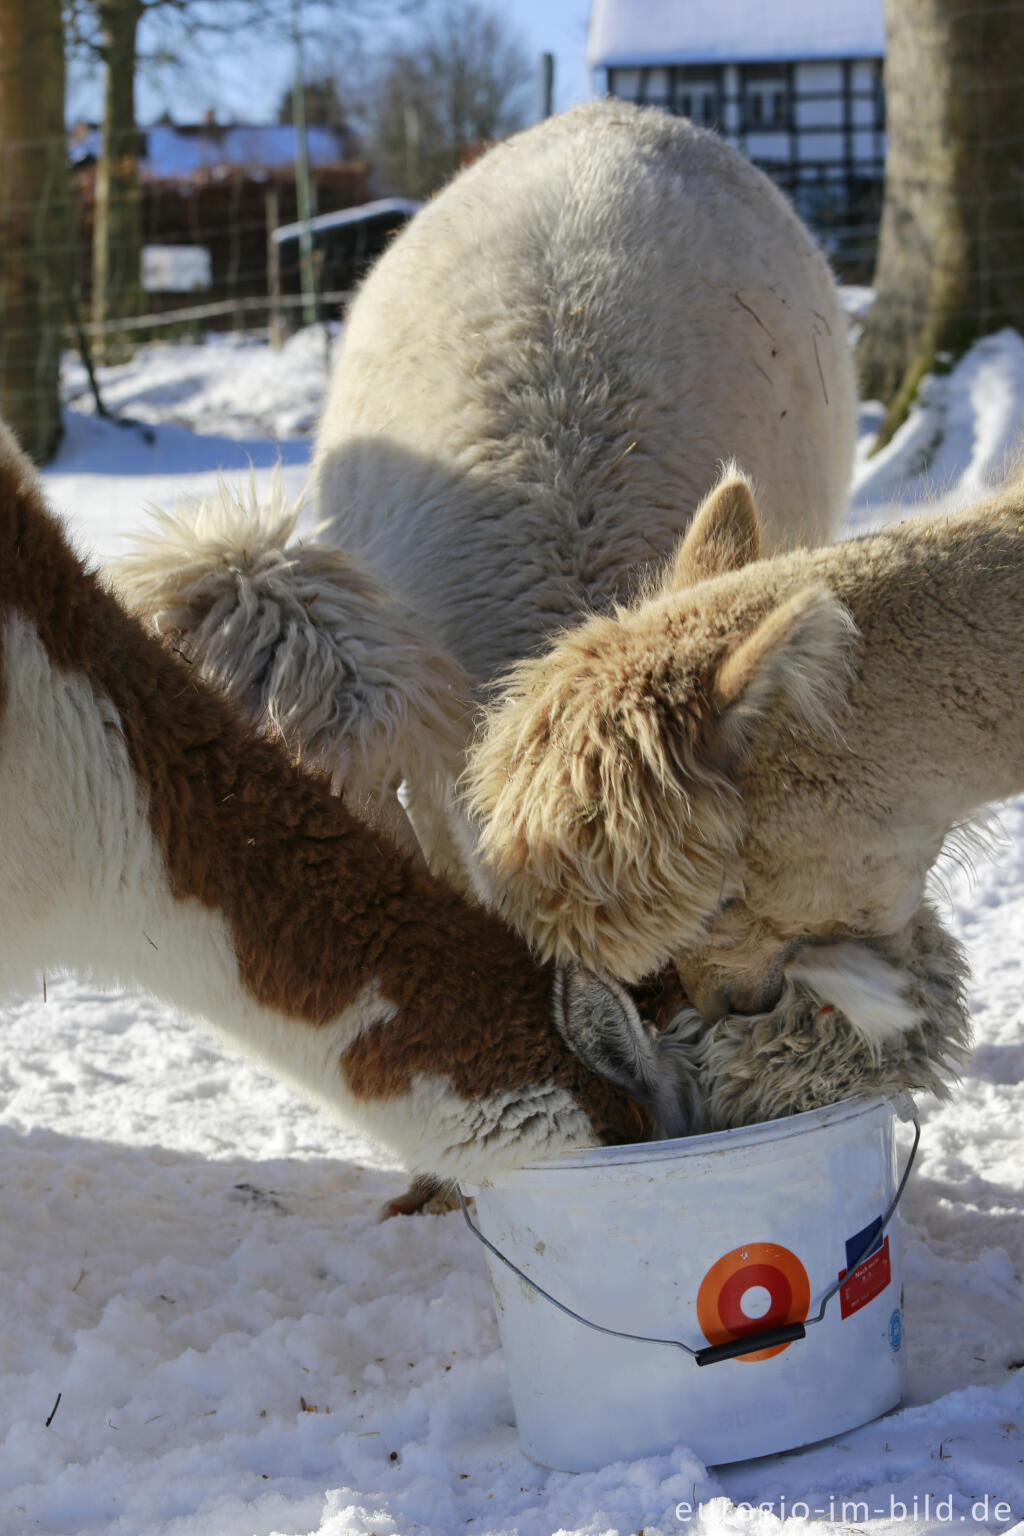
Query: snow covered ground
{"points": [[206, 1331]]}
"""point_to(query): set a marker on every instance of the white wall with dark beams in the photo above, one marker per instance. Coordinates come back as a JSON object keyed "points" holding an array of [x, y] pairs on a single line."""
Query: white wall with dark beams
{"points": [[798, 86]]}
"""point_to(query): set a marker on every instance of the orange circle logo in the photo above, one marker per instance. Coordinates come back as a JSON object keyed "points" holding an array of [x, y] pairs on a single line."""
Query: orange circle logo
{"points": [[760, 1285]]}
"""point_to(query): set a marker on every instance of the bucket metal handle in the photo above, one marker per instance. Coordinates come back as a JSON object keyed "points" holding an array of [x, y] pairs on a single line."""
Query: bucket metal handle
{"points": [[767, 1338], [748, 1343]]}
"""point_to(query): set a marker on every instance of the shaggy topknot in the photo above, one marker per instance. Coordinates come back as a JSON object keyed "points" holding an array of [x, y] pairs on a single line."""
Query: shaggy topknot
{"points": [[312, 645], [803, 1053]]}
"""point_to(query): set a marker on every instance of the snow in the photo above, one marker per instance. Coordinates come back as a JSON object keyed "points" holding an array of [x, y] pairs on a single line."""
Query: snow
{"points": [[176, 268], [187, 415], [623, 33], [380, 208], [191, 1256]]}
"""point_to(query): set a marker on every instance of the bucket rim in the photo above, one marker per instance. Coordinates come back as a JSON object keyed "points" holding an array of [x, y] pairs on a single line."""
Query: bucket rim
{"points": [[763, 1132]]}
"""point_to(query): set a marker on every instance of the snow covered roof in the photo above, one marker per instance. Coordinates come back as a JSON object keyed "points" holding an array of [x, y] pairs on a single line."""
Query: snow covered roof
{"points": [[359, 215], [173, 152], [642, 32]]}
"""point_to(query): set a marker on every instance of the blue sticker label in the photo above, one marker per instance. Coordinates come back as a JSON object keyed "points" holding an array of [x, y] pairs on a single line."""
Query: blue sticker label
{"points": [[895, 1331], [860, 1245]]}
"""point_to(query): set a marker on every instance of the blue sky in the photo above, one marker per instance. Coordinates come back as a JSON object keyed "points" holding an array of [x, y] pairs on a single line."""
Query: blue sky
{"points": [[245, 84]]}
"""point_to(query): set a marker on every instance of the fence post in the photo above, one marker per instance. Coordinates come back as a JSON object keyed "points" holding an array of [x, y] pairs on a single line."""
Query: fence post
{"points": [[275, 325]]}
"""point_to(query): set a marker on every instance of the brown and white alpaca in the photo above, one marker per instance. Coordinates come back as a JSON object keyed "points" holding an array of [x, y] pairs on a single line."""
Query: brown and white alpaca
{"points": [[536, 384], [148, 836], [761, 762]]}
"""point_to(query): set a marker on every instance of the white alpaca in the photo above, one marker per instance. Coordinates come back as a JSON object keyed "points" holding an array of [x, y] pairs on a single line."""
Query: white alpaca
{"points": [[536, 384], [148, 836]]}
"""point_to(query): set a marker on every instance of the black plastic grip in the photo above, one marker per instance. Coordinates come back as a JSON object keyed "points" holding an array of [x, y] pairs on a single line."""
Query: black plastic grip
{"points": [[786, 1333]]}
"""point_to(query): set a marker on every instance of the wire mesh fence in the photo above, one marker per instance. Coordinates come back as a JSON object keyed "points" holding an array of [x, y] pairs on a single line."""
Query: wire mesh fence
{"points": [[182, 254], [195, 248], [196, 251]]}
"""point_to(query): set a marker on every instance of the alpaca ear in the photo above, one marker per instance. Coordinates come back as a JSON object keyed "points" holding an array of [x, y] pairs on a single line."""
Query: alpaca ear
{"points": [[725, 535], [875, 996], [795, 663], [599, 1023]]}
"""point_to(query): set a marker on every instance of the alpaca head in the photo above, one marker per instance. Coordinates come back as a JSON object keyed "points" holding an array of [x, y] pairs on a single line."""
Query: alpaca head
{"points": [[607, 781]]}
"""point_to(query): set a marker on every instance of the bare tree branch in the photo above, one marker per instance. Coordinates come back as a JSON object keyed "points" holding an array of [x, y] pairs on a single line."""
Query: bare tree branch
{"points": [[462, 79]]}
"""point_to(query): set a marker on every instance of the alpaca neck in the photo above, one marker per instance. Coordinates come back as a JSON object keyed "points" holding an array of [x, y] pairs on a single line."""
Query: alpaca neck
{"points": [[94, 894], [938, 703], [148, 837], [75, 828]]}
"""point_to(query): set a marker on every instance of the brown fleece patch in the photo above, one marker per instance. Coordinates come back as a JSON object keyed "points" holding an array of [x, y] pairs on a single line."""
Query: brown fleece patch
{"points": [[318, 904]]}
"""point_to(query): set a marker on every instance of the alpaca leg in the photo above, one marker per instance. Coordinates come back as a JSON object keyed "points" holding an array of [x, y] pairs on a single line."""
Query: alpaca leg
{"points": [[430, 809], [425, 1196], [447, 837]]}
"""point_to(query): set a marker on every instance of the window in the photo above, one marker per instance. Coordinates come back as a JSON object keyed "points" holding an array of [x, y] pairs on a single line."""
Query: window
{"points": [[765, 100], [697, 94], [624, 83], [699, 103]]}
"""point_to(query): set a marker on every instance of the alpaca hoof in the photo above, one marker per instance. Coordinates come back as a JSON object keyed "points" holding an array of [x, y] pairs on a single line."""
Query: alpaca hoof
{"points": [[425, 1196]]}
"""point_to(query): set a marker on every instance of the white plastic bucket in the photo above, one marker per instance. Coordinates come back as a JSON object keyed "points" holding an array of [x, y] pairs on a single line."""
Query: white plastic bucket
{"points": [[702, 1240]]}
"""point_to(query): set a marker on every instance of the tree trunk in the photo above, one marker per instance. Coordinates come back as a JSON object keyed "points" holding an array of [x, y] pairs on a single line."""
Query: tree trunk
{"points": [[117, 237], [34, 222], [950, 262]]}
